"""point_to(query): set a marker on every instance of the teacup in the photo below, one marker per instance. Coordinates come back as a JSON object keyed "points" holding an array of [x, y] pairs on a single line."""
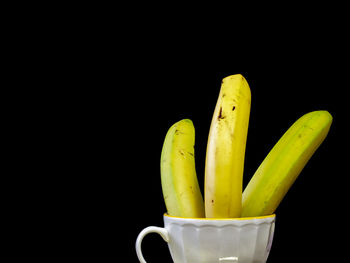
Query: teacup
{"points": [[205, 240]]}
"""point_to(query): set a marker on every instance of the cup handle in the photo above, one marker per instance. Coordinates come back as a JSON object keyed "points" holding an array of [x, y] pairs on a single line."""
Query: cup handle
{"points": [[151, 229]]}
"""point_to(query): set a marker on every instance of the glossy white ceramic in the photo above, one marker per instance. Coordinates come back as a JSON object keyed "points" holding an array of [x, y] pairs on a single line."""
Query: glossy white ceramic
{"points": [[194, 240]]}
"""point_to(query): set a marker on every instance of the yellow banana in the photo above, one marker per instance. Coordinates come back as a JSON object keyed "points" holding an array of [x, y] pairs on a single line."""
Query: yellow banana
{"points": [[226, 149], [285, 161], [180, 186]]}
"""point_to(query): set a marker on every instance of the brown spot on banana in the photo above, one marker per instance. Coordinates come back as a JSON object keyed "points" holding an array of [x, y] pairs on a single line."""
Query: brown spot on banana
{"points": [[220, 116]]}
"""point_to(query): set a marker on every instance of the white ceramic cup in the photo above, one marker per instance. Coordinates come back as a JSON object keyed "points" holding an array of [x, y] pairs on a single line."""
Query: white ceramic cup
{"points": [[205, 240]]}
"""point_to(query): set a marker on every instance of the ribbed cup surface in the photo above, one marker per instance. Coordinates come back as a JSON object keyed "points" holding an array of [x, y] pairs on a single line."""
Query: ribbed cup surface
{"points": [[210, 241]]}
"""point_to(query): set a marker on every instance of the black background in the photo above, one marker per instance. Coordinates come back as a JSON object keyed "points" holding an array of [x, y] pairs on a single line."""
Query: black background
{"points": [[118, 91], [94, 90]]}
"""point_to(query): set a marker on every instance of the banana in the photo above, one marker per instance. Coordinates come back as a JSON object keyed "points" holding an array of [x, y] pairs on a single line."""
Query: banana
{"points": [[180, 186], [283, 164], [226, 149]]}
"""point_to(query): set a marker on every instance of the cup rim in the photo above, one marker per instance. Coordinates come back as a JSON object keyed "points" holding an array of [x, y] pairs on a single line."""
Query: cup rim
{"points": [[221, 219]]}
